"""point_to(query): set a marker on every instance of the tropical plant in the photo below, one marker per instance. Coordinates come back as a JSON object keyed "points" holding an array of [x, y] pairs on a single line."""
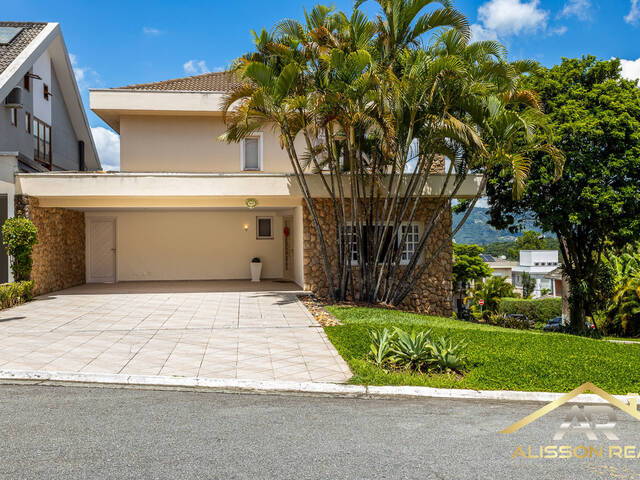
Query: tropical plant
{"points": [[627, 301], [377, 112], [595, 114], [528, 285], [412, 350], [19, 235], [492, 291], [622, 312], [381, 345], [447, 355]]}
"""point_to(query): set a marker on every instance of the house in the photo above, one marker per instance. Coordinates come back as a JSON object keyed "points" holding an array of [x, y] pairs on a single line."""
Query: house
{"points": [[500, 266], [43, 125], [538, 264], [188, 206]]}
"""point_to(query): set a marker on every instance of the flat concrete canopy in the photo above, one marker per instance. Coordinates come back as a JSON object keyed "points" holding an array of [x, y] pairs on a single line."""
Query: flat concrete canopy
{"points": [[214, 329]]}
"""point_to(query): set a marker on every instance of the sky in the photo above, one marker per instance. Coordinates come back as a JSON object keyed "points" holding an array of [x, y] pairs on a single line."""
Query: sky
{"points": [[119, 43]]}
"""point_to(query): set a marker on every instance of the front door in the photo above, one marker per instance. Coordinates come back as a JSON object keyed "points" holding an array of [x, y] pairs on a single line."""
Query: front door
{"points": [[102, 250], [288, 248]]}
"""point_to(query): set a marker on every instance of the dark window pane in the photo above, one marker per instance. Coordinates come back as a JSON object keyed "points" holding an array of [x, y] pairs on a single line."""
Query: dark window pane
{"points": [[264, 228]]}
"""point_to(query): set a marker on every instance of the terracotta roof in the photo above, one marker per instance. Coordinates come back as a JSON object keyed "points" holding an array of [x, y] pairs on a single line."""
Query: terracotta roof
{"points": [[10, 51], [208, 82]]}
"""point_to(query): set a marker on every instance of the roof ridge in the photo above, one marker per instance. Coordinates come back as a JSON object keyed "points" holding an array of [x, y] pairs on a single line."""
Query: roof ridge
{"points": [[178, 79]]}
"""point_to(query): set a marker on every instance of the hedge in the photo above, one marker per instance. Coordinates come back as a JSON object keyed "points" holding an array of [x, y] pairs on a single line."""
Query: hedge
{"points": [[15, 293], [539, 310]]}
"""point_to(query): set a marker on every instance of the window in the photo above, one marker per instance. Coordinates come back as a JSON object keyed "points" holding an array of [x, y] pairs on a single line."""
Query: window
{"points": [[408, 249], [27, 82], [251, 150], [42, 145], [27, 122], [14, 116], [264, 228], [46, 92]]}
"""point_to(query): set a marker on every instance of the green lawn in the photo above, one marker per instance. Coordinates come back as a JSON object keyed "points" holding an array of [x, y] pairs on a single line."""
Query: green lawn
{"points": [[498, 358]]}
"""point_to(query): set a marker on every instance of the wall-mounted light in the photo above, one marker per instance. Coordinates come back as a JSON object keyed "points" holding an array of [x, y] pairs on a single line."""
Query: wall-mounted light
{"points": [[246, 227]]}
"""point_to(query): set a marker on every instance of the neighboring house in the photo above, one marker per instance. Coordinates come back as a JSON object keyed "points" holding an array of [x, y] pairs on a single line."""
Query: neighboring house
{"points": [[538, 264], [43, 125], [187, 206], [501, 267]]}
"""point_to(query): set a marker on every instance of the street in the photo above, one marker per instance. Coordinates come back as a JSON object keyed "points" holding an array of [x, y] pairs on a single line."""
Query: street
{"points": [[52, 432]]}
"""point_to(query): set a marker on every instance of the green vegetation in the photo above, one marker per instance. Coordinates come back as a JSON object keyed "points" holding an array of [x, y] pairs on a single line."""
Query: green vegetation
{"points": [[492, 291], [539, 310], [12, 294], [496, 358], [595, 205], [19, 235], [375, 103], [468, 266]]}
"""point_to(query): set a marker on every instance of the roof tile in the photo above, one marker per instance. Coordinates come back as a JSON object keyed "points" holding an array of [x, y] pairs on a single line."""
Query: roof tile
{"points": [[208, 82], [9, 52]]}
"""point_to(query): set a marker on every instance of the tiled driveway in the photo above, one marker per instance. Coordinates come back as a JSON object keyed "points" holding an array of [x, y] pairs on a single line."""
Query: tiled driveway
{"points": [[206, 329]]}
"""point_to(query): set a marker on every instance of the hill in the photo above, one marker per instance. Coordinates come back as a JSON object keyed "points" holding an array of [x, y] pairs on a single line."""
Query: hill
{"points": [[477, 230]]}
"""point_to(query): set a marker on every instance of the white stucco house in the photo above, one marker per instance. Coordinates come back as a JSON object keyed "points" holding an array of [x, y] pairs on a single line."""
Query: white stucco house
{"points": [[538, 264]]}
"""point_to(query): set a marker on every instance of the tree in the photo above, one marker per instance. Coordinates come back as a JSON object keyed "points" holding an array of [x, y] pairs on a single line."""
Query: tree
{"points": [[19, 235], [491, 291], [468, 265], [528, 285], [595, 115], [377, 109], [529, 240]]}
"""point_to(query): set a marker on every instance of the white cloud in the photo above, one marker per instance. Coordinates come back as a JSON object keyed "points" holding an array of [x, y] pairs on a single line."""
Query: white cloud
{"points": [[581, 9], [108, 146], [151, 31], [634, 13], [480, 34], [561, 30], [630, 69], [86, 77], [195, 67], [513, 17]]}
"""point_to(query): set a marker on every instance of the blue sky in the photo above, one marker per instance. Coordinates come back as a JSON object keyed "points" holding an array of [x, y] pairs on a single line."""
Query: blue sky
{"points": [[117, 43]]}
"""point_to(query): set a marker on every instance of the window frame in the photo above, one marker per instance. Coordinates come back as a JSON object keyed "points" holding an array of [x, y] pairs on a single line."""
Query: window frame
{"points": [[45, 91], [27, 123], [409, 254], [43, 160], [259, 137], [13, 116], [260, 237], [27, 82]]}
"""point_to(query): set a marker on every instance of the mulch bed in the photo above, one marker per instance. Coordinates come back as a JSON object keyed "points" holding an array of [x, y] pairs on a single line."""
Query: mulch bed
{"points": [[316, 306]]}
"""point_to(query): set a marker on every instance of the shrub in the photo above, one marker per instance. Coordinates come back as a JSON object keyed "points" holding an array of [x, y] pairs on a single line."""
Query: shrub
{"points": [[415, 351], [538, 310], [506, 321], [19, 235], [15, 293]]}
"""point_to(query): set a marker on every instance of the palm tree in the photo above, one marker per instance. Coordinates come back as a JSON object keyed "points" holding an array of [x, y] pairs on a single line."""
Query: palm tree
{"points": [[377, 111]]}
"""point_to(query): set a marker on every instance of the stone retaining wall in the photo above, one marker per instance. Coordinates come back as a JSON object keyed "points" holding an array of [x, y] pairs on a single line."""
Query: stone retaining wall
{"points": [[433, 292], [59, 256]]}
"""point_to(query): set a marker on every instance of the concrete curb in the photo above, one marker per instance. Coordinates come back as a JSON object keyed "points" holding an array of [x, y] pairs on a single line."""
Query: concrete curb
{"points": [[277, 387]]}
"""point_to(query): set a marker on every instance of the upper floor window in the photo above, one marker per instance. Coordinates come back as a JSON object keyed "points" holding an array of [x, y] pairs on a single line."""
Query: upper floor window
{"points": [[27, 122], [251, 152], [14, 116], [42, 145], [27, 82], [46, 92]]}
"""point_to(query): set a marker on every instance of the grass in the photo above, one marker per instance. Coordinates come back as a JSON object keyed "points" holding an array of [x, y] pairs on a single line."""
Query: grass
{"points": [[498, 358]]}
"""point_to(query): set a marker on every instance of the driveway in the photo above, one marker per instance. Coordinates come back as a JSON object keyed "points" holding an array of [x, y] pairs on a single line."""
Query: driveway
{"points": [[206, 329]]}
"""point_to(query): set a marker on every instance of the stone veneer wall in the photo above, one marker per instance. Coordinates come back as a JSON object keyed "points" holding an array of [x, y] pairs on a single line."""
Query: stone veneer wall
{"points": [[59, 256], [432, 294]]}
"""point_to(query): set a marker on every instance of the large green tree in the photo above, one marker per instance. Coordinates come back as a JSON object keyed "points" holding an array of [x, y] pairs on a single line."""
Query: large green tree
{"points": [[595, 115], [468, 265]]}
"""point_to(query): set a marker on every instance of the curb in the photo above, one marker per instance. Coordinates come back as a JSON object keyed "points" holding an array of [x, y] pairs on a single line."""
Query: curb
{"points": [[278, 387]]}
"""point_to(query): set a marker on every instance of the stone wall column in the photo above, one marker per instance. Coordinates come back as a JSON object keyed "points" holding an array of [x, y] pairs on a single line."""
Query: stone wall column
{"points": [[59, 256]]}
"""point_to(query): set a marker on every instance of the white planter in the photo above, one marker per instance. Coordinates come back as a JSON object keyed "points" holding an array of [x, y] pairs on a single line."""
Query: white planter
{"points": [[256, 270]]}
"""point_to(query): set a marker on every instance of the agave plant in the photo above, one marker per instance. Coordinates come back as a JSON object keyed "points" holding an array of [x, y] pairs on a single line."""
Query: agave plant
{"points": [[413, 350], [448, 356], [381, 345]]}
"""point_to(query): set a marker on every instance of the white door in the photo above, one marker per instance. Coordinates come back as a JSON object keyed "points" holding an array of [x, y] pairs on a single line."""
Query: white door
{"points": [[102, 250]]}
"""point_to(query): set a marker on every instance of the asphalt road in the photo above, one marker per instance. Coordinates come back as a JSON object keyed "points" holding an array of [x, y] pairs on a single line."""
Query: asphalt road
{"points": [[77, 433]]}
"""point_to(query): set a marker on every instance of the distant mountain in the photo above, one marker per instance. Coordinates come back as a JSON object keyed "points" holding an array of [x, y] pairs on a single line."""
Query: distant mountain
{"points": [[477, 230]]}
